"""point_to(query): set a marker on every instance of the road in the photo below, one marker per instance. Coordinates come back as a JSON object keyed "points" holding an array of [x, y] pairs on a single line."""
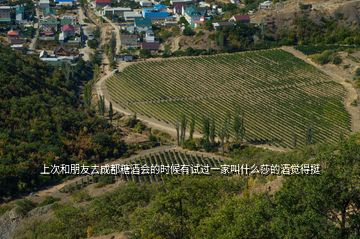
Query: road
{"points": [[32, 45]]}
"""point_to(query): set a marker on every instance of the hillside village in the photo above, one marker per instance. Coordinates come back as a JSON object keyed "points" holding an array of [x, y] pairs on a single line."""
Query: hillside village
{"points": [[59, 31]]}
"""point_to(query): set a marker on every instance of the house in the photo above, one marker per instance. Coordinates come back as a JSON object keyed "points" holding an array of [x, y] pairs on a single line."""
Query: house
{"points": [[149, 36], [157, 12], [14, 38], [173, 2], [220, 25], [44, 4], [265, 5], [131, 16], [5, 16], [62, 51], [102, 3], [129, 41], [194, 16], [152, 46], [19, 11], [126, 58], [177, 8], [55, 60], [68, 31], [145, 3], [115, 11], [68, 3], [244, 19], [142, 24]]}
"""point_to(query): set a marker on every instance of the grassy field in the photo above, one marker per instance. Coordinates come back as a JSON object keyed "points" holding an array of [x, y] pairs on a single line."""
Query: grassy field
{"points": [[281, 96]]}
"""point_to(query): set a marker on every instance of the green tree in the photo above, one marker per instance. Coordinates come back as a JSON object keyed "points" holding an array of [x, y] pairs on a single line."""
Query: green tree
{"points": [[111, 112]]}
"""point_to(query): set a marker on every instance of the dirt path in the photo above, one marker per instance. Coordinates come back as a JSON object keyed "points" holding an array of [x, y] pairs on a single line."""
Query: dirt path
{"points": [[339, 77]]}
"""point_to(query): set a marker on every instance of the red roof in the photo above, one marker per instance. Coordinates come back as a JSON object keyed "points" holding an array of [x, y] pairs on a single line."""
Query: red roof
{"points": [[242, 18], [67, 27], [12, 33], [103, 1]]}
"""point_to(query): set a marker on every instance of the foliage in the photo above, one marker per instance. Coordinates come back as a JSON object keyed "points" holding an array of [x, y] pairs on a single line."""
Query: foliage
{"points": [[188, 31], [42, 122], [321, 206]]}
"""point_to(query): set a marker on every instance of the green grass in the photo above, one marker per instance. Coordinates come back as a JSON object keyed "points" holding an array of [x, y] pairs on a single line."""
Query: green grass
{"points": [[281, 95]]}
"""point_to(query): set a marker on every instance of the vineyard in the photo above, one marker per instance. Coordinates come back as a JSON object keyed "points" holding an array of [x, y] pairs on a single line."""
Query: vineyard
{"points": [[175, 159], [280, 95]]}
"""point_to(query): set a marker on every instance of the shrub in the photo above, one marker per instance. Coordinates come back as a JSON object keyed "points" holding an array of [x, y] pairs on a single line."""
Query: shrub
{"points": [[24, 206]]}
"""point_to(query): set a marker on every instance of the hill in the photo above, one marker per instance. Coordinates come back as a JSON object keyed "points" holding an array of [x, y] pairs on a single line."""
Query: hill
{"points": [[42, 122], [281, 97]]}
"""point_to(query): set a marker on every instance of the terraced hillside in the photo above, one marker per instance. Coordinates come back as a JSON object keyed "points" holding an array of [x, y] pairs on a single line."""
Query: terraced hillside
{"points": [[281, 95]]}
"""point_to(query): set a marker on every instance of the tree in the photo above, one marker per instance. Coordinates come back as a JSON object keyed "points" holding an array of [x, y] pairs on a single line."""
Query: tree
{"points": [[239, 127], [192, 127], [111, 112], [206, 129], [188, 31], [177, 128], [183, 125], [101, 105], [309, 136], [227, 125], [222, 135], [212, 133]]}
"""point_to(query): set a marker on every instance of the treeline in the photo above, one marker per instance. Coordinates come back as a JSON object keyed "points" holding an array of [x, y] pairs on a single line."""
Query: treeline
{"points": [[233, 128], [44, 120], [303, 206]]}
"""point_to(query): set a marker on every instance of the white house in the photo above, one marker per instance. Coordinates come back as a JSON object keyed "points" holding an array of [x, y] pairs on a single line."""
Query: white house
{"points": [[149, 36], [130, 16], [145, 3], [265, 5], [118, 11]]}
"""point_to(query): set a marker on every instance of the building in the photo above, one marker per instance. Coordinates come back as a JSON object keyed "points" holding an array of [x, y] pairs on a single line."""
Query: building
{"points": [[62, 51], [173, 2], [220, 25], [131, 16], [142, 24], [126, 58], [102, 3], [151, 46], [145, 3], [49, 22], [129, 41], [19, 11], [265, 5], [149, 36], [177, 8], [68, 30], [115, 11], [55, 60], [244, 19], [44, 4], [5, 16], [157, 12], [68, 3], [14, 38], [194, 16]]}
